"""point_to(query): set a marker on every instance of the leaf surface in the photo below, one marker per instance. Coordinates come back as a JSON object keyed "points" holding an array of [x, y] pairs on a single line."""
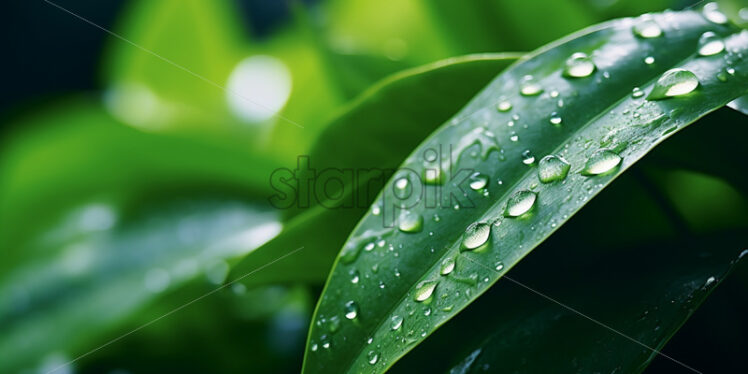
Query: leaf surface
{"points": [[389, 288]]}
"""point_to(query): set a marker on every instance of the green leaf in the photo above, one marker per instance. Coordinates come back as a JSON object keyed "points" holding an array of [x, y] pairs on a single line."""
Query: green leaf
{"points": [[101, 264], [438, 88], [647, 300], [604, 129]]}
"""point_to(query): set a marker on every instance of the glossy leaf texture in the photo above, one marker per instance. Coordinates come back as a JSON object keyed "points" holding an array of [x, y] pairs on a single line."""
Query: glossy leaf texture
{"points": [[644, 286], [439, 242], [321, 229]]}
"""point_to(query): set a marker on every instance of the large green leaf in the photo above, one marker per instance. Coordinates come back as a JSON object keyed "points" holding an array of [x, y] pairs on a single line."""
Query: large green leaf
{"points": [[385, 273], [439, 88], [647, 300]]}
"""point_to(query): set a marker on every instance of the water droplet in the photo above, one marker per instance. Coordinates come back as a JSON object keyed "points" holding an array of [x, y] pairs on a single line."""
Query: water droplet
{"points": [[527, 157], [410, 222], [579, 65], [478, 181], [637, 92], [713, 14], [529, 87], [499, 266], [369, 246], [649, 60], [555, 119], [552, 168], [601, 162], [425, 290], [674, 82], [373, 357], [427, 312], [475, 236], [314, 347], [520, 203], [351, 310], [504, 106], [647, 28], [710, 281], [354, 276], [333, 324], [433, 175], [710, 44], [447, 266], [514, 137], [396, 322], [722, 76]]}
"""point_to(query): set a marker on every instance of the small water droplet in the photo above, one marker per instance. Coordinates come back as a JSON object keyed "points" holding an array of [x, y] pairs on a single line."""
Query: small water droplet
{"points": [[478, 181], [712, 13], [354, 276], [475, 235], [514, 137], [504, 106], [396, 322], [637, 92], [647, 28], [555, 119], [433, 175], [520, 203], [499, 266], [710, 44], [314, 347], [447, 266], [674, 82], [333, 324], [649, 60], [710, 281], [351, 310], [601, 162], [529, 87], [401, 184], [527, 157], [373, 357], [410, 222], [425, 290], [376, 210], [552, 168], [579, 65]]}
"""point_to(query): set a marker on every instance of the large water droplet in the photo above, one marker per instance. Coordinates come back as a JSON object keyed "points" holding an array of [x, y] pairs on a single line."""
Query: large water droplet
{"points": [[447, 266], [396, 322], [410, 222], [647, 28], [601, 162], [520, 203], [674, 82], [373, 357], [552, 168], [351, 310], [579, 65], [504, 106], [713, 14], [425, 290], [476, 235], [478, 181], [529, 87], [710, 44]]}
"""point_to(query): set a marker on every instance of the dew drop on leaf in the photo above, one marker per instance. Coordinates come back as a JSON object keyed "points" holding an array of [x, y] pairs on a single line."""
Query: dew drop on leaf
{"points": [[555, 119], [527, 157], [478, 181], [355, 276], [333, 324], [674, 82], [396, 322], [647, 28], [410, 222], [373, 357], [552, 168], [529, 87], [520, 203], [425, 290], [601, 162], [637, 92], [649, 60], [351, 310], [475, 236], [447, 266], [504, 106], [712, 13], [710, 44], [579, 65]]}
